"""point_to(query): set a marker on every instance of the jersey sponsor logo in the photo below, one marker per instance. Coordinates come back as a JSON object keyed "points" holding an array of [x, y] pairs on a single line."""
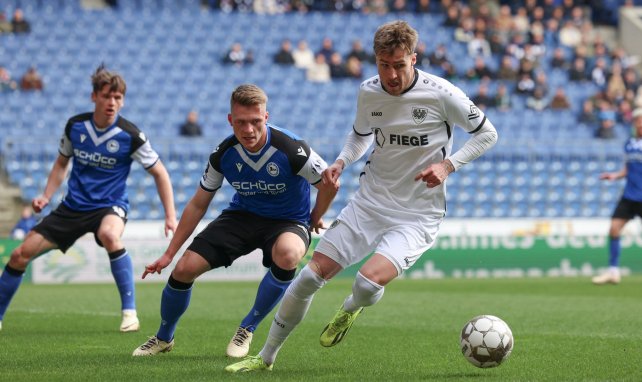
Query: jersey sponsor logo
{"points": [[82, 138], [377, 114], [474, 112], [317, 166], [408, 140], [301, 152], [113, 145], [334, 224], [260, 187], [239, 166], [94, 159], [272, 169], [419, 114]]}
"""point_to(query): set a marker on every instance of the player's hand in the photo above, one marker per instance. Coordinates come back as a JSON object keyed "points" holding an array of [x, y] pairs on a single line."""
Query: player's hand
{"points": [[158, 265], [435, 174], [331, 174], [39, 203], [608, 176], [170, 226], [317, 226]]}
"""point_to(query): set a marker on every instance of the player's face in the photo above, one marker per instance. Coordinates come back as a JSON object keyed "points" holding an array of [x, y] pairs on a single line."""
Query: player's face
{"points": [[108, 105], [249, 127], [396, 71]]}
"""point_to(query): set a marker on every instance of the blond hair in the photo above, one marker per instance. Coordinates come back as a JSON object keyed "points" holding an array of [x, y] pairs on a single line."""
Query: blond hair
{"points": [[393, 35], [103, 77], [248, 95]]}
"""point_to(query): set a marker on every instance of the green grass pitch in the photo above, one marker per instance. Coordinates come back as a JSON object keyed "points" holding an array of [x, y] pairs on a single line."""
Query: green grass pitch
{"points": [[565, 329]]}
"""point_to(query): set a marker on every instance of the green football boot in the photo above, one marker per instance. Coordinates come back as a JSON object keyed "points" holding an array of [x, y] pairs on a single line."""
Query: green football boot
{"points": [[250, 363], [334, 332]]}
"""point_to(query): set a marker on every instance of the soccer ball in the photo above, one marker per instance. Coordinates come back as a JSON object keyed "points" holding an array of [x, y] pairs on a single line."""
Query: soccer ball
{"points": [[486, 341]]}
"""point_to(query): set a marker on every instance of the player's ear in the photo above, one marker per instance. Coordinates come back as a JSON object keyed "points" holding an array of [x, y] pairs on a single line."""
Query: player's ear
{"points": [[93, 97], [267, 115], [229, 119]]}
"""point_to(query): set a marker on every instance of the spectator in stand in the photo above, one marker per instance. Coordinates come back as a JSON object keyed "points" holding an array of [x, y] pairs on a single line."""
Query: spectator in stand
{"points": [[439, 56], [18, 22], [483, 99], [319, 71], [465, 31], [537, 101], [191, 127], [559, 59], [5, 25], [599, 73], [422, 56], [503, 99], [570, 35], [359, 53], [337, 66], [25, 224], [478, 46], [452, 17], [424, 6], [625, 112], [631, 81], [587, 114], [480, 71], [303, 55], [507, 69], [31, 80], [6, 83], [238, 56], [354, 68], [327, 49], [284, 55], [606, 119], [577, 72], [521, 22], [560, 100], [504, 23], [525, 85]]}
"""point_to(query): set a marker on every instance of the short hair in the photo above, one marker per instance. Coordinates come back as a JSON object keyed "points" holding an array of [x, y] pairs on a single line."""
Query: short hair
{"points": [[248, 95], [103, 77], [393, 35]]}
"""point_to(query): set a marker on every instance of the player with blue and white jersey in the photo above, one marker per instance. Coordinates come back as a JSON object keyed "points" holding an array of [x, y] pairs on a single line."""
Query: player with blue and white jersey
{"points": [[102, 147], [630, 204], [271, 170], [408, 117]]}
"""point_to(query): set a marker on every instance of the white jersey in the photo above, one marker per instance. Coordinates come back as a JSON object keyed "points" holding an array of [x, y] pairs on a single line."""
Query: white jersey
{"points": [[411, 131]]}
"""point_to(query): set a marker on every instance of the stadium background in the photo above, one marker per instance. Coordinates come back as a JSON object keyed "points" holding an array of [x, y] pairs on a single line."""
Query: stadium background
{"points": [[540, 181]]}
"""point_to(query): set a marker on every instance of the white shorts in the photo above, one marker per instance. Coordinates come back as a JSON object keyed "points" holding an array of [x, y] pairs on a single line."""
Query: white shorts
{"points": [[359, 231]]}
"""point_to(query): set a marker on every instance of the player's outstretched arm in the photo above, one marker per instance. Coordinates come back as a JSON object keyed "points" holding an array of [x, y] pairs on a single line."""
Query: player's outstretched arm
{"points": [[325, 196], [166, 194], [192, 215], [613, 175], [55, 179]]}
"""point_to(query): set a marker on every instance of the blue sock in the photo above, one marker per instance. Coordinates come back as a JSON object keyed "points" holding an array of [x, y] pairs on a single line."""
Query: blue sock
{"points": [[267, 296], [9, 283], [123, 272], [614, 251], [174, 303]]}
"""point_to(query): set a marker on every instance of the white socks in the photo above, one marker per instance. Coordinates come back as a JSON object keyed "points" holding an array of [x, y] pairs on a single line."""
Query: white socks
{"points": [[293, 308], [364, 293]]}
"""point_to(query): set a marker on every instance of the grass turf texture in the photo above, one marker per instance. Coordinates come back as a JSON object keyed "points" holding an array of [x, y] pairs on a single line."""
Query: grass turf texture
{"points": [[565, 330]]}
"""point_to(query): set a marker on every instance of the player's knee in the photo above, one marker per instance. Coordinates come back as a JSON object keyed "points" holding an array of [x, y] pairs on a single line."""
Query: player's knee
{"points": [[287, 259], [109, 240], [19, 258], [183, 272], [366, 292], [306, 284]]}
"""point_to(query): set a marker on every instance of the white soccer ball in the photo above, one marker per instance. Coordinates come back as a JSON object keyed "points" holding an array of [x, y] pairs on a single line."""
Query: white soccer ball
{"points": [[486, 341]]}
